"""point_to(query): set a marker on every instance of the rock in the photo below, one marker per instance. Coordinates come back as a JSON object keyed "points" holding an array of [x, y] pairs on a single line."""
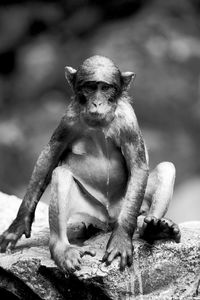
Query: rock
{"points": [[164, 270]]}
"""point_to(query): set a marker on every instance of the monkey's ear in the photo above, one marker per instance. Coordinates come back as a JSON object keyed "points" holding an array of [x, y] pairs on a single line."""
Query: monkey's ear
{"points": [[127, 77], [70, 75]]}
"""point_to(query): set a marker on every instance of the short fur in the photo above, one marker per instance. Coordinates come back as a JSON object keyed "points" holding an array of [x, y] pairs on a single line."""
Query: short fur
{"points": [[99, 167]]}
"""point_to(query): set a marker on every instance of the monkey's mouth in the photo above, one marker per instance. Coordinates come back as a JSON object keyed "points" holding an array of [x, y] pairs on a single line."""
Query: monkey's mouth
{"points": [[95, 120]]}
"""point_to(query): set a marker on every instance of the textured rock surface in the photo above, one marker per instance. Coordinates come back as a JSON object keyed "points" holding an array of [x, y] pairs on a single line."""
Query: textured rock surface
{"points": [[165, 270]]}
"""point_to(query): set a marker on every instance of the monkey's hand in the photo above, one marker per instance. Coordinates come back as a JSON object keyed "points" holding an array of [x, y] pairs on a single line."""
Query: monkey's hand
{"points": [[119, 244], [68, 257], [21, 225]]}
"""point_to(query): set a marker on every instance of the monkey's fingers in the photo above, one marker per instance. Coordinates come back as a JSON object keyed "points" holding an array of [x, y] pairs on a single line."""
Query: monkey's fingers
{"points": [[129, 258], [107, 253], [112, 255], [27, 226], [27, 231], [8, 241], [105, 256], [1, 238], [3, 244], [124, 259], [11, 246]]}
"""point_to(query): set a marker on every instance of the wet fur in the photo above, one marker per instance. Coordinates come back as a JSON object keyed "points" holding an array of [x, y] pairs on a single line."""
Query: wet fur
{"points": [[122, 128]]}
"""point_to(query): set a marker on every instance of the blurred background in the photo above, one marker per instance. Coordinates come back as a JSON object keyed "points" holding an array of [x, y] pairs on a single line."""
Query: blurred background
{"points": [[159, 40]]}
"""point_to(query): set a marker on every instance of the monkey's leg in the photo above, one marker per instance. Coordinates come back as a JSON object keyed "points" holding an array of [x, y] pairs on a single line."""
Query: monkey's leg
{"points": [[151, 223], [66, 200]]}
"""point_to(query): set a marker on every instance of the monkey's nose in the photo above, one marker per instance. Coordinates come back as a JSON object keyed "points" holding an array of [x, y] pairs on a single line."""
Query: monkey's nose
{"points": [[94, 109], [96, 104]]}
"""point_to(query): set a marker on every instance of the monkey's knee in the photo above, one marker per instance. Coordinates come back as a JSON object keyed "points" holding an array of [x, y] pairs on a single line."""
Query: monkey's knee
{"points": [[166, 171], [61, 175]]}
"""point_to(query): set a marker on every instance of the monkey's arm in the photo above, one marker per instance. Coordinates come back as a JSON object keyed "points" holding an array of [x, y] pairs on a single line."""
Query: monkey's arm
{"points": [[120, 243], [40, 178], [134, 153]]}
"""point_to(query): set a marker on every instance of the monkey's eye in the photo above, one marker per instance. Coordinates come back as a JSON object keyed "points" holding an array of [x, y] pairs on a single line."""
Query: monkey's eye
{"points": [[82, 99], [89, 87], [105, 87], [112, 100]]}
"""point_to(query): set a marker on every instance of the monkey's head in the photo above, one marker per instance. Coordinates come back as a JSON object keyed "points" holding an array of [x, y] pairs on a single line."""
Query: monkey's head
{"points": [[98, 84]]}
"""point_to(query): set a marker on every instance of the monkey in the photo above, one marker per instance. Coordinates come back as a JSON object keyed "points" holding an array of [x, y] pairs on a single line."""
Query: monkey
{"points": [[98, 166]]}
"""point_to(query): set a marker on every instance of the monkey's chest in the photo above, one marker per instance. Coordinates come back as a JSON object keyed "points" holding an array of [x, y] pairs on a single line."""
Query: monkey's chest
{"points": [[101, 170]]}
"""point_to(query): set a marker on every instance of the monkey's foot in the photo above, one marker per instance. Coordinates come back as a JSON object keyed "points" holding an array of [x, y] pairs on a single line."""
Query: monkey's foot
{"points": [[68, 257], [157, 229]]}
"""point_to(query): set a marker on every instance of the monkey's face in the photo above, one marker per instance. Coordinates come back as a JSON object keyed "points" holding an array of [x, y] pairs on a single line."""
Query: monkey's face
{"points": [[98, 102], [97, 85]]}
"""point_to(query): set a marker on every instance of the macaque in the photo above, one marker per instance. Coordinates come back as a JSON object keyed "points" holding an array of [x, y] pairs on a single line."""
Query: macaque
{"points": [[97, 163]]}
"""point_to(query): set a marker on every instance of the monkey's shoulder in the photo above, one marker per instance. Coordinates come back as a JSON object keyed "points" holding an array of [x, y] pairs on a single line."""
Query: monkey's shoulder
{"points": [[68, 125], [125, 124], [71, 114], [125, 115]]}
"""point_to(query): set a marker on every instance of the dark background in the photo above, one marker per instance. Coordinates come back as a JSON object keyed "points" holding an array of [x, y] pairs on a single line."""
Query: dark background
{"points": [[157, 39]]}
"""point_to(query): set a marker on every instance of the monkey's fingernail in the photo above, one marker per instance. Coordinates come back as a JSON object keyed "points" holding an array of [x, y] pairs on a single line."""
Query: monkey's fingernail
{"points": [[148, 219], [108, 262], [105, 257]]}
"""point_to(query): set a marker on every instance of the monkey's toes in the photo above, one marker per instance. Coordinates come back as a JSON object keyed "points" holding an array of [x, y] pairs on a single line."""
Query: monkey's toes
{"points": [[72, 259], [151, 221], [156, 229], [72, 265], [171, 230], [73, 255]]}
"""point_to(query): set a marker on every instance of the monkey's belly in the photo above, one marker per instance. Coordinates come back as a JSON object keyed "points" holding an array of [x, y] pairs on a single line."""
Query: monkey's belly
{"points": [[103, 178]]}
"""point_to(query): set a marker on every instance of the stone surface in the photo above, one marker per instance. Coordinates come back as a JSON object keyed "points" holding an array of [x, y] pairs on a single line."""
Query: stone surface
{"points": [[165, 270]]}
